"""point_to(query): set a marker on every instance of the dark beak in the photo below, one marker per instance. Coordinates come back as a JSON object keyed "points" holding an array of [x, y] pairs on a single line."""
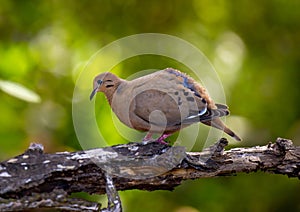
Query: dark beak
{"points": [[94, 92]]}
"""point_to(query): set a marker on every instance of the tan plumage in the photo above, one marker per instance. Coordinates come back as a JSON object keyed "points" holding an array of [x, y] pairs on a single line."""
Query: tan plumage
{"points": [[162, 102]]}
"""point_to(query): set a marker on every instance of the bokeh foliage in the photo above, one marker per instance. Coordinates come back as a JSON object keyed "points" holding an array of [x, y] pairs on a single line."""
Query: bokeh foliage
{"points": [[254, 46]]}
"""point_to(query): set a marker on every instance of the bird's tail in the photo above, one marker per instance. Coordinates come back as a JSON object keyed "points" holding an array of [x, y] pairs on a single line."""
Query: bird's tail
{"points": [[222, 110], [217, 123], [212, 118]]}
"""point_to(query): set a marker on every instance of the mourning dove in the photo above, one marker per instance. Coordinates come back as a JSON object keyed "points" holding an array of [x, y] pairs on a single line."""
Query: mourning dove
{"points": [[162, 102]]}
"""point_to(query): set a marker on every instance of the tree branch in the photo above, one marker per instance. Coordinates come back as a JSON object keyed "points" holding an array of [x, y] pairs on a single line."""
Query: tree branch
{"points": [[38, 180]]}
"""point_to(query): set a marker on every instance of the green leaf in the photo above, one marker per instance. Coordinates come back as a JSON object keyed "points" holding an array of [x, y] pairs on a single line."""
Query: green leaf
{"points": [[19, 91]]}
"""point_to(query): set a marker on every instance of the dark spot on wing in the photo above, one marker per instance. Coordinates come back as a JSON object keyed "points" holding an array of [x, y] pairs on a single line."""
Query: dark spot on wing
{"points": [[179, 101], [190, 99]]}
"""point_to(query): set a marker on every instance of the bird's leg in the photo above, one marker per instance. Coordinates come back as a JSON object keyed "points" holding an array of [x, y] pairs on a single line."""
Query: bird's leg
{"points": [[148, 136], [162, 138]]}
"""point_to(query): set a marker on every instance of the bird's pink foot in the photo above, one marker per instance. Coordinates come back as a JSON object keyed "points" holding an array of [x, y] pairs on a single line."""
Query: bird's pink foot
{"points": [[148, 137], [162, 138], [162, 142]]}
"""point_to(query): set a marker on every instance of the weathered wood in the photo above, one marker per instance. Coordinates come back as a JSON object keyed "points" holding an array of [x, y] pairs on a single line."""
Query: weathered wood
{"points": [[36, 179]]}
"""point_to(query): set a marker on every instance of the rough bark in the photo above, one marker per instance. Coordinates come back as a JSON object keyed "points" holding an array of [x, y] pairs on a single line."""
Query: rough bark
{"points": [[39, 180]]}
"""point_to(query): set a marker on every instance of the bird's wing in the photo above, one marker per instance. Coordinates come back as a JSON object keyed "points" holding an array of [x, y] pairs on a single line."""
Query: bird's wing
{"points": [[169, 97], [206, 109], [157, 107]]}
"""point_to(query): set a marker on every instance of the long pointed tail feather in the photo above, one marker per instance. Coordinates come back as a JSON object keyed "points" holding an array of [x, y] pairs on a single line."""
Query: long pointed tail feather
{"points": [[212, 118], [217, 123]]}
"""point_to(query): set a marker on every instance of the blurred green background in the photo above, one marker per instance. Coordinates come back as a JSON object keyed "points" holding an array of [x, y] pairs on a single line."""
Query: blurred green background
{"points": [[254, 46]]}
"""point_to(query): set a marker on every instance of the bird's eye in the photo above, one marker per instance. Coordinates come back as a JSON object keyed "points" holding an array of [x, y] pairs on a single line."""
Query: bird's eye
{"points": [[99, 82]]}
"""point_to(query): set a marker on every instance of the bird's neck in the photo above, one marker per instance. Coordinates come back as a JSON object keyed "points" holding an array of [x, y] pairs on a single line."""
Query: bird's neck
{"points": [[109, 97]]}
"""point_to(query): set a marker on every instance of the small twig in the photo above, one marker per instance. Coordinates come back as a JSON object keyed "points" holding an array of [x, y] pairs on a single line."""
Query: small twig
{"points": [[114, 201]]}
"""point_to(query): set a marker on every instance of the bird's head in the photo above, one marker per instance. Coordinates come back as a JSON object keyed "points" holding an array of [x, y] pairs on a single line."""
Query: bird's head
{"points": [[106, 83]]}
